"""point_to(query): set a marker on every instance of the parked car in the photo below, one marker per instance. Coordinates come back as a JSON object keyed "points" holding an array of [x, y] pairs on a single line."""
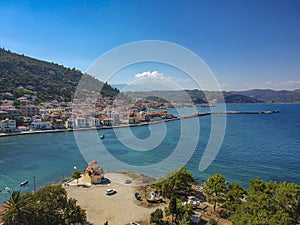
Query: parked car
{"points": [[105, 180], [110, 191], [137, 196]]}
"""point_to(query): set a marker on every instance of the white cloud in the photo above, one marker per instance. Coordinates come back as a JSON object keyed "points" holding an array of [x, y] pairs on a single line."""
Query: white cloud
{"points": [[149, 74]]}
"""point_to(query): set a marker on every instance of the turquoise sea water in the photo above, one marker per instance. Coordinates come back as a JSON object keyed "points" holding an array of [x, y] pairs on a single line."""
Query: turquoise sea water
{"points": [[254, 146]]}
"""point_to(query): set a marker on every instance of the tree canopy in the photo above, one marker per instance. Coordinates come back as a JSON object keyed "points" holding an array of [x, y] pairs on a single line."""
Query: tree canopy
{"points": [[181, 212], [264, 203], [176, 182], [214, 189], [76, 175], [20, 75], [47, 206], [269, 203]]}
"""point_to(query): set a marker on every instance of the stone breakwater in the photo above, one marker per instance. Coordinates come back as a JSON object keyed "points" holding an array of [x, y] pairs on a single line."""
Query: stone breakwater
{"points": [[226, 112]]}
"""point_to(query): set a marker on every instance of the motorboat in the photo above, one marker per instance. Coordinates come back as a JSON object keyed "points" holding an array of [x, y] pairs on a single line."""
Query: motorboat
{"points": [[102, 136], [24, 183]]}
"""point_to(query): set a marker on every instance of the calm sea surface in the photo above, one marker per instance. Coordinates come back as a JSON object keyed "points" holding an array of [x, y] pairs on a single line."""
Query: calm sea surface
{"points": [[255, 146]]}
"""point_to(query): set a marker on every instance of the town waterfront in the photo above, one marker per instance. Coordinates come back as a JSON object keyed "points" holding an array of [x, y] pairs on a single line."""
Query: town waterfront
{"points": [[254, 146]]}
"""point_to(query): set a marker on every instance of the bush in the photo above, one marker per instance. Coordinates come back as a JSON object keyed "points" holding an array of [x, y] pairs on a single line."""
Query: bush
{"points": [[213, 221], [156, 216]]}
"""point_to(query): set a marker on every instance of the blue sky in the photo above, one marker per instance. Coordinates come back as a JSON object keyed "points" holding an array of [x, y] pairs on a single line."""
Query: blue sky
{"points": [[247, 44]]}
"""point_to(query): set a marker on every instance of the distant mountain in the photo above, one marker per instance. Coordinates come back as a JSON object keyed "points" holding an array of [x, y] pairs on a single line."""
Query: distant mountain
{"points": [[236, 98], [21, 75], [194, 96], [199, 97], [272, 96], [184, 96]]}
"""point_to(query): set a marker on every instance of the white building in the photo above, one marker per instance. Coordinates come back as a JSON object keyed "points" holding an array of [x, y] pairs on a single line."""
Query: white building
{"points": [[41, 125], [80, 122], [8, 126], [69, 123], [93, 122], [106, 121], [115, 119], [141, 116], [133, 120]]}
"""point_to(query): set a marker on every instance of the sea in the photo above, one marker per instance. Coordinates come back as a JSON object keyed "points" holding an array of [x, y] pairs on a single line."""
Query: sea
{"points": [[241, 147]]}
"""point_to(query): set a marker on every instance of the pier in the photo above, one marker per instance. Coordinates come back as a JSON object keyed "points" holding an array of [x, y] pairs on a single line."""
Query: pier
{"points": [[238, 112], [226, 112]]}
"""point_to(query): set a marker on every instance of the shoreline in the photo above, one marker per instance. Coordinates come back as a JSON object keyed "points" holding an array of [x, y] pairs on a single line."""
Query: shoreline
{"points": [[139, 124], [87, 128]]}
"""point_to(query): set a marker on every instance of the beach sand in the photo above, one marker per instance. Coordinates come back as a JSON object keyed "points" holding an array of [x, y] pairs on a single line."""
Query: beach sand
{"points": [[118, 209]]}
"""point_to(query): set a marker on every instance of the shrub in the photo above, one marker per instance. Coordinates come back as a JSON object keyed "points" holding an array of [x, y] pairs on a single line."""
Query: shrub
{"points": [[156, 216], [213, 221]]}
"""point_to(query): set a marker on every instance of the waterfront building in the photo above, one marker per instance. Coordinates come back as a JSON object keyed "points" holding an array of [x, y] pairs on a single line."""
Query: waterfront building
{"points": [[8, 126], [141, 116], [22, 128], [133, 120], [69, 123], [93, 122], [58, 124], [80, 122], [37, 125], [115, 118], [106, 121]]}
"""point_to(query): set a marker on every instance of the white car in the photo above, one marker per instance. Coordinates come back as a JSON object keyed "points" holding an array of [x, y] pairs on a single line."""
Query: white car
{"points": [[110, 191]]}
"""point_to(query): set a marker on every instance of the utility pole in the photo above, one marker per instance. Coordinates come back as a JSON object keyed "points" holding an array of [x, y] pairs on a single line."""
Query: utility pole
{"points": [[33, 184]]}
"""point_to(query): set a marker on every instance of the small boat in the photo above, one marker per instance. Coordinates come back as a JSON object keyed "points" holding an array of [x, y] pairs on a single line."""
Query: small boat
{"points": [[102, 136], [7, 189], [24, 183]]}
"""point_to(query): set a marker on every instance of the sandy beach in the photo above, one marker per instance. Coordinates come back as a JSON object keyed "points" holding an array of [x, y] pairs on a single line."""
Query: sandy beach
{"points": [[118, 209]]}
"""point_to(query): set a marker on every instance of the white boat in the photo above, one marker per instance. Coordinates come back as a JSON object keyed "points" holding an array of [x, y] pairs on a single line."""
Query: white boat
{"points": [[102, 136], [7, 189], [24, 183]]}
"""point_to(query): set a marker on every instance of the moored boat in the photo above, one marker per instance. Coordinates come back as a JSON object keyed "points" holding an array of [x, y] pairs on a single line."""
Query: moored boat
{"points": [[24, 183]]}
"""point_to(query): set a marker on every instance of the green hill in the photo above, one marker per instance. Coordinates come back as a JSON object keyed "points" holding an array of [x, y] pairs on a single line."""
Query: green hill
{"points": [[236, 98], [272, 96], [21, 75]]}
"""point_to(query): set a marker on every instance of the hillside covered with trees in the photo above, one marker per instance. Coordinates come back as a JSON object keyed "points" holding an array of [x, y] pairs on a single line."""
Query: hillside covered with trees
{"points": [[195, 96], [202, 97], [20, 75]]}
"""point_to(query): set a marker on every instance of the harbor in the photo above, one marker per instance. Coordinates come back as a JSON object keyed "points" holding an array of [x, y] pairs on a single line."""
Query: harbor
{"points": [[141, 123]]}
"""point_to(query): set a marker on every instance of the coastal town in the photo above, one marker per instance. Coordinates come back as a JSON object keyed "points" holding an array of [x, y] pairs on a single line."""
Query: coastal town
{"points": [[26, 114]]}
